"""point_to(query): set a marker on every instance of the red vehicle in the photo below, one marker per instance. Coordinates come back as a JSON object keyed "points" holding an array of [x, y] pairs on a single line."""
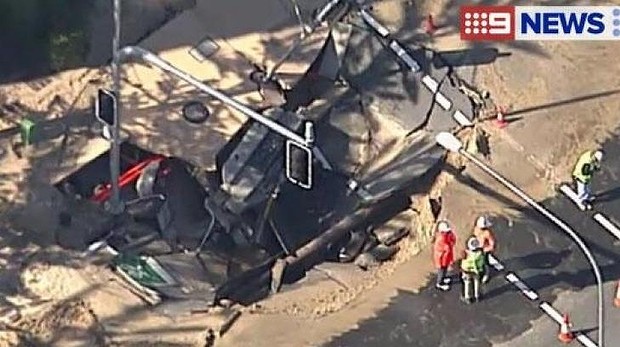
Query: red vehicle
{"points": [[103, 192]]}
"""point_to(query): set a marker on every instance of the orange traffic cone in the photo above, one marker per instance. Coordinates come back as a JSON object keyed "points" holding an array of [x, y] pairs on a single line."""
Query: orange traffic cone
{"points": [[429, 25], [617, 298], [500, 122], [565, 334]]}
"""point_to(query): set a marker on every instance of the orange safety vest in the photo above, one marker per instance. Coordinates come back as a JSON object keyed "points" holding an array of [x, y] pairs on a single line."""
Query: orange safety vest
{"points": [[486, 239]]}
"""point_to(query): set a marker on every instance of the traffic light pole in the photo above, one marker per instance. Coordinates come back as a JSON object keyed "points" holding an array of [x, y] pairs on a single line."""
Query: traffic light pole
{"points": [[116, 204]]}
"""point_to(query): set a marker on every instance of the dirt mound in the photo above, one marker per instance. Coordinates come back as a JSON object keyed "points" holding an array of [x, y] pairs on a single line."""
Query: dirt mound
{"points": [[10, 339], [65, 324], [50, 281]]}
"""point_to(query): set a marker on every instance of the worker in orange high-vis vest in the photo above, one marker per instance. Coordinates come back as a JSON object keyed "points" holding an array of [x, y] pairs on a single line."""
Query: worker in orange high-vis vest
{"points": [[484, 234]]}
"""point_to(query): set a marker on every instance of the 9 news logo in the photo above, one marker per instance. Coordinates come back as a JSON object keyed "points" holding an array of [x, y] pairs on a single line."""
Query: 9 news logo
{"points": [[483, 23], [497, 23]]}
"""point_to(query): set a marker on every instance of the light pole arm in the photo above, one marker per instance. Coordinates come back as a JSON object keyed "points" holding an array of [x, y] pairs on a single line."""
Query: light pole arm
{"points": [[453, 144], [559, 223], [133, 52]]}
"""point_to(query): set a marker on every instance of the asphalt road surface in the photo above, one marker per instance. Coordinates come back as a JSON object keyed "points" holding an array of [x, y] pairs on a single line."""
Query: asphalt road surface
{"points": [[543, 258]]}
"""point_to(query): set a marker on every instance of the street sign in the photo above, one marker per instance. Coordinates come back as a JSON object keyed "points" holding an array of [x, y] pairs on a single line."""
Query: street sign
{"points": [[106, 106], [298, 164]]}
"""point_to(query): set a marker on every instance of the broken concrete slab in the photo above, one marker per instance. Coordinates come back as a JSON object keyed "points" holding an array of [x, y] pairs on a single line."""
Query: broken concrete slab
{"points": [[375, 256], [196, 279], [389, 237], [366, 261], [371, 69], [415, 99], [345, 136], [420, 155]]}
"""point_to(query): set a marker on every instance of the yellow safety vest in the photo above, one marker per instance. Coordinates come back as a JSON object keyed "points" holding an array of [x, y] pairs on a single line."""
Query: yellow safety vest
{"points": [[585, 159], [473, 262]]}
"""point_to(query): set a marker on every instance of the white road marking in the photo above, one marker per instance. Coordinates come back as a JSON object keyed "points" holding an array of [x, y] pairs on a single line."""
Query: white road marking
{"points": [[558, 318], [585, 340], [408, 59], [380, 29], [572, 195], [413, 65], [552, 312], [460, 118], [433, 86], [430, 83], [512, 278], [548, 309], [495, 263], [607, 224], [443, 101]]}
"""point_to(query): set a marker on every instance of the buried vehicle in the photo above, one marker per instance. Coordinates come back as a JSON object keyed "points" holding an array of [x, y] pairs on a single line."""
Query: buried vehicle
{"points": [[279, 202]]}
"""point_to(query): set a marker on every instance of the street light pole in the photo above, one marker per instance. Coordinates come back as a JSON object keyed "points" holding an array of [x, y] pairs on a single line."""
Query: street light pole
{"points": [[116, 205], [451, 143]]}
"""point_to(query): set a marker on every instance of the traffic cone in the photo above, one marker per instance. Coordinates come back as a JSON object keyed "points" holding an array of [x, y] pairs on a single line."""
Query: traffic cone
{"points": [[429, 25], [500, 122], [617, 298], [565, 334]]}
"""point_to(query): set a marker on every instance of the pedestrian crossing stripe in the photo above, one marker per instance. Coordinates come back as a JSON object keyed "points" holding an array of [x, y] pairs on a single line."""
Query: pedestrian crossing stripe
{"points": [[572, 195], [460, 118], [428, 81], [607, 224], [512, 278], [585, 340], [404, 56], [370, 20], [532, 295], [558, 318], [495, 263], [552, 312], [433, 86]]}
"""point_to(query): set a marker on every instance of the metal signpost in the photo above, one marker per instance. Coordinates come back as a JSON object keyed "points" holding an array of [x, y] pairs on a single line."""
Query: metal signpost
{"points": [[116, 204]]}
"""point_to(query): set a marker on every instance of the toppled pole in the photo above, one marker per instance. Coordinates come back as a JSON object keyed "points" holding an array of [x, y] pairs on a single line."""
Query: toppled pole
{"points": [[312, 252], [304, 255], [134, 52]]}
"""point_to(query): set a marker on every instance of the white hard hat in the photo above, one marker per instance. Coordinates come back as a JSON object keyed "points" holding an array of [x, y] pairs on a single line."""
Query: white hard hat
{"points": [[443, 227], [598, 155], [473, 244], [483, 222]]}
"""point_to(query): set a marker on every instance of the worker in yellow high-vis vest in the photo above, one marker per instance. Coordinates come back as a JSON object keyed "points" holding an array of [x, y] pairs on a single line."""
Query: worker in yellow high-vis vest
{"points": [[472, 269], [588, 163]]}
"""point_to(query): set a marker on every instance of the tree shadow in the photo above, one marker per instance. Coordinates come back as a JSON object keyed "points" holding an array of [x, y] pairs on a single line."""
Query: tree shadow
{"points": [[465, 57], [511, 114], [484, 190]]}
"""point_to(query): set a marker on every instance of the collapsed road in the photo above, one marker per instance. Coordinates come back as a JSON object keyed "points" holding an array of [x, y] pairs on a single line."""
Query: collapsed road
{"points": [[216, 235]]}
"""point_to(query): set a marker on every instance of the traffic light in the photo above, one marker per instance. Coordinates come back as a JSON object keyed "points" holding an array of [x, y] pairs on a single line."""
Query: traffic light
{"points": [[106, 106], [299, 164]]}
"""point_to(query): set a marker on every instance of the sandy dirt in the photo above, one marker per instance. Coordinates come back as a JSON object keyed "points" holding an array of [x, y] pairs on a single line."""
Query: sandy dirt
{"points": [[65, 300]]}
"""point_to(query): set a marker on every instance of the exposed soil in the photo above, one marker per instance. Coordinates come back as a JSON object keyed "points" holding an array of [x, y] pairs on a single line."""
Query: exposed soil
{"points": [[64, 300]]}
